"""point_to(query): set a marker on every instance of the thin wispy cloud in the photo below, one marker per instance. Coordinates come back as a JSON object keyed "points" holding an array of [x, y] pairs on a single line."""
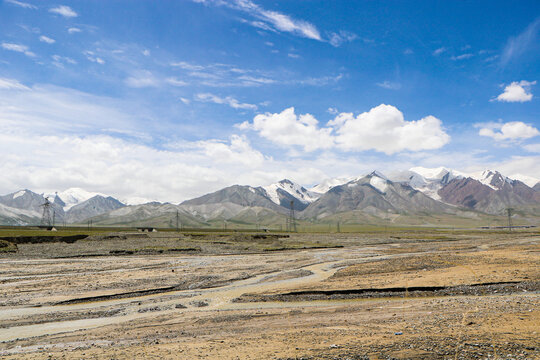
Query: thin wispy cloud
{"points": [[73, 30], [18, 48], [229, 100], [21, 4], [462, 56], [46, 39], [337, 39], [439, 51], [389, 85], [90, 55], [12, 84], [275, 21], [64, 10], [517, 46]]}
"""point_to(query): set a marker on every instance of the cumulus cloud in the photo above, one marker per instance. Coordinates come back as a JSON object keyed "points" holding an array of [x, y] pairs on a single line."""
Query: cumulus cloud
{"points": [[18, 48], [230, 101], [514, 130], [517, 92], [287, 129], [46, 39], [64, 10], [383, 129]]}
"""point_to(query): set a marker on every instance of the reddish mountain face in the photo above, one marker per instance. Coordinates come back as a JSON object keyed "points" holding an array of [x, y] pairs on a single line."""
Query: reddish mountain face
{"points": [[493, 198]]}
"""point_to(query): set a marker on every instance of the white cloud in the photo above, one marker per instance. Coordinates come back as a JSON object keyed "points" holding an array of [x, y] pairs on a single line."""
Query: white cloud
{"points": [[439, 51], [73, 30], [288, 129], [383, 129], [12, 84], [64, 10], [46, 39], [232, 102], [185, 101], [514, 130], [332, 110], [517, 92], [293, 56], [18, 48], [408, 52], [146, 52], [21, 4], [389, 85]]}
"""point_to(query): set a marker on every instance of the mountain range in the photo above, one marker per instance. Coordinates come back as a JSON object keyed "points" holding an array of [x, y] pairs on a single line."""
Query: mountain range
{"points": [[418, 193]]}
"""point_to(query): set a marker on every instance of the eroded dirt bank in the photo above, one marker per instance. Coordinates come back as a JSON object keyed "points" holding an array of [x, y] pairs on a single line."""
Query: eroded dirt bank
{"points": [[377, 297]]}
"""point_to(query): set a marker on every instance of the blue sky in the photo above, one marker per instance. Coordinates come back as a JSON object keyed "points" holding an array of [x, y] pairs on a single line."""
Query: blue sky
{"points": [[172, 99]]}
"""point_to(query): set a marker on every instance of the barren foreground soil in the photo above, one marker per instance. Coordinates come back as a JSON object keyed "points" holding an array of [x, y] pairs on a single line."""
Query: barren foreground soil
{"points": [[423, 295]]}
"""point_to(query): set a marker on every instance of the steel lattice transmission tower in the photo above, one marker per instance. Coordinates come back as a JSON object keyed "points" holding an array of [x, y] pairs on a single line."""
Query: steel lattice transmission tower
{"points": [[46, 217], [291, 220], [509, 212]]}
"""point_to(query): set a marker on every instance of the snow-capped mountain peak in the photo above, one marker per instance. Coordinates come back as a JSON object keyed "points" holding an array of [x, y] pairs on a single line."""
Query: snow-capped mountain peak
{"points": [[295, 190], [74, 196], [493, 179], [527, 180]]}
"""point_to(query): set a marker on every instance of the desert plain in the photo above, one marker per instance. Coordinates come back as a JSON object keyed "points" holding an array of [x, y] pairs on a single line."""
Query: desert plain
{"points": [[387, 294]]}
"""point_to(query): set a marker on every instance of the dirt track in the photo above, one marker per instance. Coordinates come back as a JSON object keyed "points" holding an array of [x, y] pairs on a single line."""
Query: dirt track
{"points": [[312, 303]]}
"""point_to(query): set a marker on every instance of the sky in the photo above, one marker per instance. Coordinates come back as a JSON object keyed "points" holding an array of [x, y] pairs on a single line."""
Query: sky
{"points": [[169, 100]]}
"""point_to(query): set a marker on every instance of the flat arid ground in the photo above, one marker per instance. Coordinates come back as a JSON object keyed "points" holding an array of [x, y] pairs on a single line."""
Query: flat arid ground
{"points": [[387, 295]]}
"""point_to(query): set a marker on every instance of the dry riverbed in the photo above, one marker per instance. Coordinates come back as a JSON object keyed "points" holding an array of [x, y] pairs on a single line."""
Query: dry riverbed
{"points": [[414, 295]]}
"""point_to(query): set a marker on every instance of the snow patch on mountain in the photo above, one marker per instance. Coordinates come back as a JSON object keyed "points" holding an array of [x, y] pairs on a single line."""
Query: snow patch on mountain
{"points": [[327, 184], [379, 183], [19, 194]]}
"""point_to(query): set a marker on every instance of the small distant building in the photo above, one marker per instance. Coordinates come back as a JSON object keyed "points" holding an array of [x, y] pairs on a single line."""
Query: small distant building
{"points": [[146, 229], [48, 228]]}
